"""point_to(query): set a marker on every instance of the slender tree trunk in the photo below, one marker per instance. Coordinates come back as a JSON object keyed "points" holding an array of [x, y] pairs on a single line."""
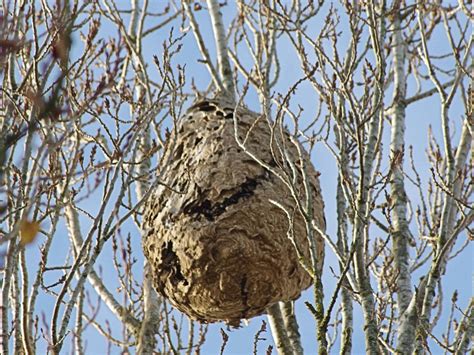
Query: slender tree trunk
{"points": [[346, 299], [221, 44], [280, 335]]}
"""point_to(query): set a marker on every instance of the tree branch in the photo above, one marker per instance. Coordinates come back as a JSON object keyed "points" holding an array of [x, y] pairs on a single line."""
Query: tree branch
{"points": [[277, 325], [221, 45]]}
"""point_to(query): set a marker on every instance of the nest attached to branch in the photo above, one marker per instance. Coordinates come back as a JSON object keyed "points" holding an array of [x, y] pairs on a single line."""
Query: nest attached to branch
{"points": [[217, 247]]}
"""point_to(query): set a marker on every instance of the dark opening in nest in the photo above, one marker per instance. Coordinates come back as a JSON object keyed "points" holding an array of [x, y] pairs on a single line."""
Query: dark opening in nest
{"points": [[217, 247]]}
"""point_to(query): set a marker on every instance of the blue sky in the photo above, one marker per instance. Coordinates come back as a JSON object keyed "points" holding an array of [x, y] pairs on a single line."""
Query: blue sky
{"points": [[419, 117]]}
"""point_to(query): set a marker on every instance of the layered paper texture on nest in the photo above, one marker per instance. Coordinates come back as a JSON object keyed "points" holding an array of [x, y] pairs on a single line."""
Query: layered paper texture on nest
{"points": [[217, 247]]}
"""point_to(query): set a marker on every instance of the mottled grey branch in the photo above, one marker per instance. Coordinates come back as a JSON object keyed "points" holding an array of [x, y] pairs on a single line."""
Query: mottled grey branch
{"points": [[73, 225], [342, 242], [279, 333], [465, 331], [202, 47], [291, 324], [377, 36], [221, 45], [401, 232]]}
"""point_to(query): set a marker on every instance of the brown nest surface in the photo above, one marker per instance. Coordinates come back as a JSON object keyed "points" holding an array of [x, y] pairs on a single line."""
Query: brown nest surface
{"points": [[217, 247]]}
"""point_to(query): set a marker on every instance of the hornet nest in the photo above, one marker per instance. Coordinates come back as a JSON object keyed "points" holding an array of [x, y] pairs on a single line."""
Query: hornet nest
{"points": [[217, 247]]}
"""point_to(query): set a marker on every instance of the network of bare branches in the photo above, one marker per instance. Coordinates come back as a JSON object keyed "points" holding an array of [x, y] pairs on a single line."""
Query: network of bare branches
{"points": [[92, 92]]}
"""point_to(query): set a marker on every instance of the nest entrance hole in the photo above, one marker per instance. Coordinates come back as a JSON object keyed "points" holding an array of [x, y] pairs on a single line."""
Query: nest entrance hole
{"points": [[170, 264]]}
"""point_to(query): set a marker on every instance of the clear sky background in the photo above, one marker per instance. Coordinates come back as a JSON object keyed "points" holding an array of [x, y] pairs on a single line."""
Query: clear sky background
{"points": [[420, 117]]}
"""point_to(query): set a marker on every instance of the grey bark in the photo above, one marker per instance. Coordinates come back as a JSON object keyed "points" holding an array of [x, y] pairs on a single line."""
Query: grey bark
{"points": [[465, 331], [401, 232], [291, 324], [346, 299], [446, 238], [377, 36], [221, 46], [280, 335]]}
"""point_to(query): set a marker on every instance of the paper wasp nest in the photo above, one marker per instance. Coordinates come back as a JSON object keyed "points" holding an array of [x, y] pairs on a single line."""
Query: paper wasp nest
{"points": [[218, 249]]}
